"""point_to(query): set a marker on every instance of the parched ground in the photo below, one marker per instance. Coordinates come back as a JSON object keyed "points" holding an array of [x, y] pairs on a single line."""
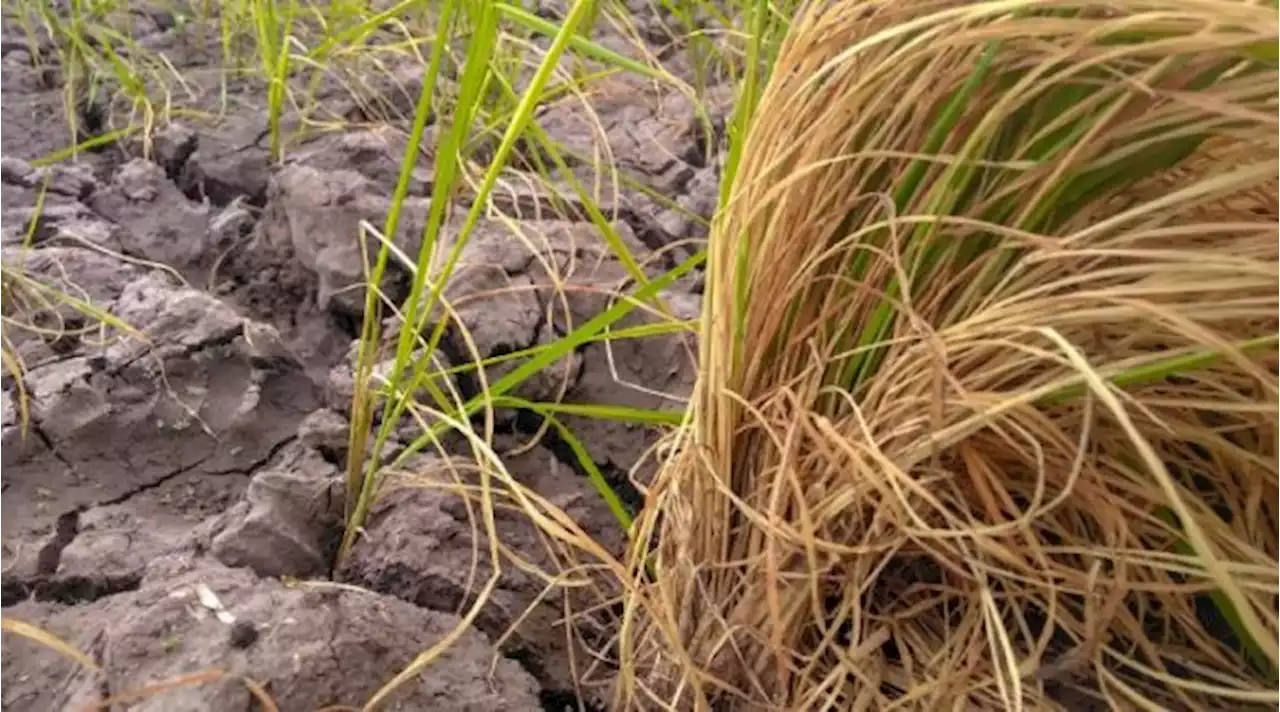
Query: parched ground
{"points": [[175, 504]]}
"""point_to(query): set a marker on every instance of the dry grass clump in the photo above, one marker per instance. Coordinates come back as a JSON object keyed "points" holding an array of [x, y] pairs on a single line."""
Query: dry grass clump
{"points": [[988, 408]]}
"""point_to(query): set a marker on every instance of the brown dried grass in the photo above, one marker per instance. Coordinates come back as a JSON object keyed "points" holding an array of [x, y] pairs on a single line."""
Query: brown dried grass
{"points": [[1042, 482]]}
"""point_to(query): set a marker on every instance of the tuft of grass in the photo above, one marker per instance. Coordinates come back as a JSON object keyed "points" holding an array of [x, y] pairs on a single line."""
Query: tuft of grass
{"points": [[987, 393]]}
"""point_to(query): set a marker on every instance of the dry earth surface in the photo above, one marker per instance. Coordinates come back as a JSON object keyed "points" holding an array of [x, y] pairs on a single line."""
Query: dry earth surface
{"points": [[207, 457]]}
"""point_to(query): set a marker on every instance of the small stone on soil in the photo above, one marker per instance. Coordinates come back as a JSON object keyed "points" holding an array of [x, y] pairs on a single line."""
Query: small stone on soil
{"points": [[242, 635]]}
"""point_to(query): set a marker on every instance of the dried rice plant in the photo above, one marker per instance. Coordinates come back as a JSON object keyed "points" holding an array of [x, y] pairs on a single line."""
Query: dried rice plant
{"points": [[987, 416]]}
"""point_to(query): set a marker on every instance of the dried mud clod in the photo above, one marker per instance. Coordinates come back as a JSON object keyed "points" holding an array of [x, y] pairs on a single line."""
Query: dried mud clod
{"points": [[231, 164], [196, 395], [318, 215], [636, 152], [310, 646], [289, 521], [423, 544]]}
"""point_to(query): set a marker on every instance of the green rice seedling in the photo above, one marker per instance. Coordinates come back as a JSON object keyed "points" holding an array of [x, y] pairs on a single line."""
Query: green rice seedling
{"points": [[274, 23], [427, 286], [104, 69]]}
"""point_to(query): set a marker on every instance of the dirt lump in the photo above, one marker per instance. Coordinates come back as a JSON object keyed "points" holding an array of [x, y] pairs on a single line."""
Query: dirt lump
{"points": [[159, 223], [423, 544], [188, 395], [318, 214], [289, 521], [311, 647]]}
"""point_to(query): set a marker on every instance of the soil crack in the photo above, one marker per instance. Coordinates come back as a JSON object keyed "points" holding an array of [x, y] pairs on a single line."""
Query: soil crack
{"points": [[53, 448], [147, 487], [45, 585], [224, 337], [260, 463]]}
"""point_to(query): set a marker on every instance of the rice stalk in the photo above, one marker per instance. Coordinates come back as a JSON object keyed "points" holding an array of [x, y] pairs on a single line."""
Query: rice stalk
{"points": [[986, 415]]}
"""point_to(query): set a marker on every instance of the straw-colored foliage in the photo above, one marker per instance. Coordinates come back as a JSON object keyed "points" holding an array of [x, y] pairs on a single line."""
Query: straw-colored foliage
{"points": [[987, 412]]}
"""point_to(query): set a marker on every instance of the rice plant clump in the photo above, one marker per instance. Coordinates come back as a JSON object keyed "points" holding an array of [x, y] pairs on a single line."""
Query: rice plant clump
{"points": [[987, 406]]}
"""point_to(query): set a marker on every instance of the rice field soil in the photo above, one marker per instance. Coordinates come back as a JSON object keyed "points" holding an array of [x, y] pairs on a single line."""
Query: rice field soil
{"points": [[363, 354], [183, 300]]}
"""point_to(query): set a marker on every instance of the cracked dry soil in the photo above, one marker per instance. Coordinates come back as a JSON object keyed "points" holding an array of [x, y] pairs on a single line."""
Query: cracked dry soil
{"points": [[203, 454]]}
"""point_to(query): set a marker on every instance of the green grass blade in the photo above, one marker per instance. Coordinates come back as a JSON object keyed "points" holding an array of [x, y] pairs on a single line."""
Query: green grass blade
{"points": [[579, 44], [565, 345], [1160, 369], [1251, 649]]}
